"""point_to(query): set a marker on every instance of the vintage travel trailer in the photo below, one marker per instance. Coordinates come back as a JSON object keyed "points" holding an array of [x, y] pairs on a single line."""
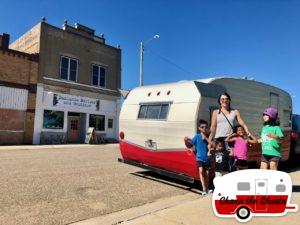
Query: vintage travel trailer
{"points": [[155, 119], [244, 193]]}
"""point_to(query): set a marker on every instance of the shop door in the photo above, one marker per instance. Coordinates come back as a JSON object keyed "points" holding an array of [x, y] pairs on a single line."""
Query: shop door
{"points": [[261, 192], [73, 129]]}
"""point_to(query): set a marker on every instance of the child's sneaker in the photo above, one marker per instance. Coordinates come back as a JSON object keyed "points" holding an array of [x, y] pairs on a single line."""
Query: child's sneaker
{"points": [[210, 191], [204, 192]]}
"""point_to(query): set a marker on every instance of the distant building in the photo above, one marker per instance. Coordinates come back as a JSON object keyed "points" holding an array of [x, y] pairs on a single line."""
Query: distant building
{"points": [[78, 80], [18, 86]]}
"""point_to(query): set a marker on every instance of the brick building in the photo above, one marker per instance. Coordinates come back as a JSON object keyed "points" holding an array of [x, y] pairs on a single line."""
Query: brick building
{"points": [[18, 86], [78, 80]]}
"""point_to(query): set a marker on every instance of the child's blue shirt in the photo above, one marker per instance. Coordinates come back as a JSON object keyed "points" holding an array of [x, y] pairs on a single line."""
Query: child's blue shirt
{"points": [[201, 148]]}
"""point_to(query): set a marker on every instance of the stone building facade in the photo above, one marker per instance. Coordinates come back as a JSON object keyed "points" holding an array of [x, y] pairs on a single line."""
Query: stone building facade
{"points": [[18, 87], [79, 76]]}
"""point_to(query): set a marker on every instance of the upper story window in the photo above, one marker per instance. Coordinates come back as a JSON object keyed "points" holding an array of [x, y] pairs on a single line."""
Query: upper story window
{"points": [[99, 76], [68, 68]]}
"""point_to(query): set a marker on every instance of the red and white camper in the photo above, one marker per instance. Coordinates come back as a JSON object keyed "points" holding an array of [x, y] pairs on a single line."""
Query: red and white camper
{"points": [[154, 120], [246, 193]]}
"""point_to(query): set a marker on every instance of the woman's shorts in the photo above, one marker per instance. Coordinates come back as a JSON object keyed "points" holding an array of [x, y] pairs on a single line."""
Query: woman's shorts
{"points": [[241, 164], [269, 158]]}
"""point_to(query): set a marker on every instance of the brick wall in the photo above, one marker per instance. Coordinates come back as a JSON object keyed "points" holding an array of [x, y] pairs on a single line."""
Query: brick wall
{"points": [[18, 70]]}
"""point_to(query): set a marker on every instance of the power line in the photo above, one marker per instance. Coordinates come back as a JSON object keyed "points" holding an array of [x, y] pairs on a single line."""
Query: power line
{"points": [[170, 62]]}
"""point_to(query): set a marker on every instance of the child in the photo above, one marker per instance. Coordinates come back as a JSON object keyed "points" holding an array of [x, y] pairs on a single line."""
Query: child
{"points": [[221, 158], [240, 149], [200, 140], [271, 136]]}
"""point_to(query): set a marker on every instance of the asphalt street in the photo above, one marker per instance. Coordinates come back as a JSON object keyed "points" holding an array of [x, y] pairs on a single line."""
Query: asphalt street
{"points": [[69, 184]]}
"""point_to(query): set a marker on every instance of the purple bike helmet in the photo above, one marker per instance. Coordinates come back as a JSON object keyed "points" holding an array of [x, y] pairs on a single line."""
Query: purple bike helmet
{"points": [[271, 112]]}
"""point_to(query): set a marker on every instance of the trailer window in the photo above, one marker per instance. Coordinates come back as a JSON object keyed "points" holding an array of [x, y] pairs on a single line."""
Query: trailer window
{"points": [[243, 186], [154, 111], [280, 188]]}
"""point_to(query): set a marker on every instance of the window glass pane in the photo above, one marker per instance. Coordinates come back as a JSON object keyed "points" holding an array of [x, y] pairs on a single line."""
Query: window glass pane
{"points": [[243, 186], [92, 121], [73, 70], [142, 112], [164, 111], [97, 121], [53, 119], [95, 75], [64, 67], [102, 77], [110, 123], [153, 111]]}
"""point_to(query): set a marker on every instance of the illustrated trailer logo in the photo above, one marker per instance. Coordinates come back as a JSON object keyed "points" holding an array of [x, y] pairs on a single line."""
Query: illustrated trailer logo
{"points": [[246, 193]]}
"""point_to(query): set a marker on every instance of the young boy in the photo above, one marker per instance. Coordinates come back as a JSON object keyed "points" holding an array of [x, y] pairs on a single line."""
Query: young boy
{"points": [[221, 158], [200, 140]]}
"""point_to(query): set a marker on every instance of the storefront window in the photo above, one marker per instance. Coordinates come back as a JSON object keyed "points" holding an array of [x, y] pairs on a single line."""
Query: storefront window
{"points": [[97, 121], [53, 119]]}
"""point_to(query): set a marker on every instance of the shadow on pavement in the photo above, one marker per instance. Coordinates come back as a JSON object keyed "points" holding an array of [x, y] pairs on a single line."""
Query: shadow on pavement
{"points": [[194, 187]]}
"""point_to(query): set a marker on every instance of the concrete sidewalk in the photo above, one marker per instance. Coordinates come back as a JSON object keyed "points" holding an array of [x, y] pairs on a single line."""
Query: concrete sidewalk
{"points": [[32, 147], [190, 209]]}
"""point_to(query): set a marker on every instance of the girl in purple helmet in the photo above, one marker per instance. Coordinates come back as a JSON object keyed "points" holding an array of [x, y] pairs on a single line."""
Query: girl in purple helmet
{"points": [[271, 136]]}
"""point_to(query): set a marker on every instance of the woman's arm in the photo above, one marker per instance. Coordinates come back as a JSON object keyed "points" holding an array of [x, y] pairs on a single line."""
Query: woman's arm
{"points": [[231, 138], [241, 121], [213, 127], [252, 139]]}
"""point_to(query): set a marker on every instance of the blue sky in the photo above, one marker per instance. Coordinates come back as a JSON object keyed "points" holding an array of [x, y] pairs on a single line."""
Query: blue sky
{"points": [[253, 38]]}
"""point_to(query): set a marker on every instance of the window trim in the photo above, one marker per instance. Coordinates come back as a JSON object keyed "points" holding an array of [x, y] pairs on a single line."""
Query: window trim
{"points": [[99, 66], [154, 103], [69, 67]]}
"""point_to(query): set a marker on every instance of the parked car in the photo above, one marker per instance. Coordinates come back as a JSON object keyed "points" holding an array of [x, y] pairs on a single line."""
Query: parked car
{"points": [[295, 135]]}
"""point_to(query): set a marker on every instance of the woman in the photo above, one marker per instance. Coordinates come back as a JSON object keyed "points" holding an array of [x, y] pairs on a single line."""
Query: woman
{"points": [[222, 121]]}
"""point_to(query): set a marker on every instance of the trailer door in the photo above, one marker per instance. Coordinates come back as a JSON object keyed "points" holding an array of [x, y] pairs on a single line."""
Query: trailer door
{"points": [[260, 192]]}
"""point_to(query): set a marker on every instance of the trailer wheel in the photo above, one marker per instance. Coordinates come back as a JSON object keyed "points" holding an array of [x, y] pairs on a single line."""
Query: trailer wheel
{"points": [[243, 213]]}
